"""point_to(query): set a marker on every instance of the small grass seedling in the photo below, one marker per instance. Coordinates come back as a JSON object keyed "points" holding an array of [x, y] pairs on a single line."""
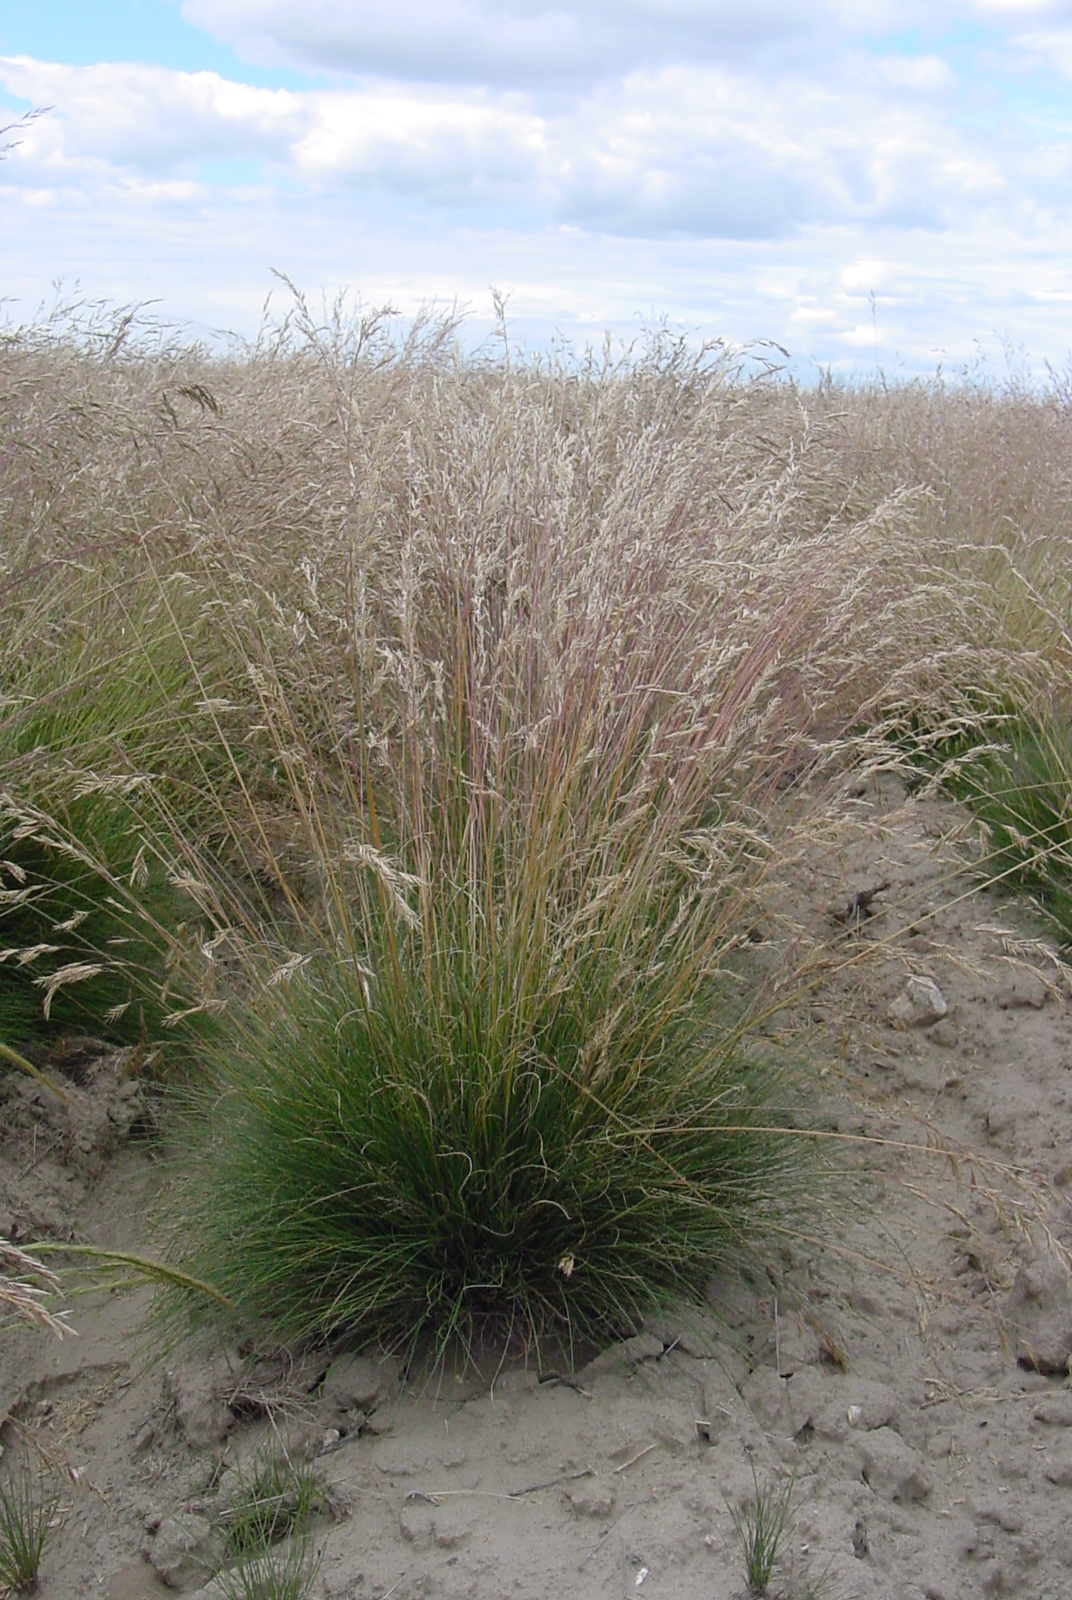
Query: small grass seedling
{"points": [[27, 1507], [276, 1500], [760, 1528], [272, 1574]]}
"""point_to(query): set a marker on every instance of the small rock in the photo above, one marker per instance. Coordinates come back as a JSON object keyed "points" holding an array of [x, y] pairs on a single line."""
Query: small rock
{"points": [[354, 1383], [1055, 1413], [331, 1440], [623, 1357], [1026, 991], [186, 1551], [592, 1500], [891, 1467], [378, 1424], [1001, 1515], [944, 1034], [144, 1438], [920, 1004], [1060, 1471], [1039, 1308], [198, 1392]]}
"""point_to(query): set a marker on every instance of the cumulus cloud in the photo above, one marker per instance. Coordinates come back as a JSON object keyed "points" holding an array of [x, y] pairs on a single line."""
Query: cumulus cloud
{"points": [[518, 43], [1052, 46], [700, 150], [773, 147], [146, 118], [565, 46]]}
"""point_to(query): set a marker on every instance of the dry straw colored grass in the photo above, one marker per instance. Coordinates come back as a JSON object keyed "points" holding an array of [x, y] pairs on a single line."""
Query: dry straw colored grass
{"points": [[440, 729]]}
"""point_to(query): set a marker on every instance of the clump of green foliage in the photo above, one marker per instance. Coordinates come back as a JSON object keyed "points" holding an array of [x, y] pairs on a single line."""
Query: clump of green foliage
{"points": [[268, 1504], [83, 909], [27, 1508], [760, 1528], [446, 1160], [271, 1574], [1019, 785], [512, 1075]]}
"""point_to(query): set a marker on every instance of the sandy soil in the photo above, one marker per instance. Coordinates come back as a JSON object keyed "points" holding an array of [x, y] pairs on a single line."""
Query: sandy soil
{"points": [[892, 1365]]}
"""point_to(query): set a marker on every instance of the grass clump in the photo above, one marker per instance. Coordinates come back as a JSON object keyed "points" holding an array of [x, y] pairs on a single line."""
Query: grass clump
{"points": [[27, 1507], [272, 1574], [84, 909], [396, 1165], [513, 1076], [760, 1528], [1019, 785], [452, 726], [269, 1504]]}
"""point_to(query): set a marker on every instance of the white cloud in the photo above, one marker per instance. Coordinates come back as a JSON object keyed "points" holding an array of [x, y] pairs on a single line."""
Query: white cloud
{"points": [[762, 164], [146, 118], [1017, 8], [927, 73], [504, 42], [1052, 46], [701, 151]]}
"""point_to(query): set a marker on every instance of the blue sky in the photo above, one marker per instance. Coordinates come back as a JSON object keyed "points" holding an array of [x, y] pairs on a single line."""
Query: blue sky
{"points": [[860, 180]]}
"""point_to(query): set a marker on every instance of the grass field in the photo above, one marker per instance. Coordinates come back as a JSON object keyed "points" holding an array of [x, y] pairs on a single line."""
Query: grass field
{"points": [[406, 749]]}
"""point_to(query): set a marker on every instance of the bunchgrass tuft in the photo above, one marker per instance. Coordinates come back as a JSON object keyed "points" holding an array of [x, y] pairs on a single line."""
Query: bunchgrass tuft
{"points": [[269, 1503], [272, 1574], [378, 1169], [27, 1508], [513, 1076], [83, 906], [760, 1528], [449, 729], [1019, 785]]}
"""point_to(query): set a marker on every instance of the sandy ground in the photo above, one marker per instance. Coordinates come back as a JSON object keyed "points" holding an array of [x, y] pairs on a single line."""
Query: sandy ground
{"points": [[891, 1365]]}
